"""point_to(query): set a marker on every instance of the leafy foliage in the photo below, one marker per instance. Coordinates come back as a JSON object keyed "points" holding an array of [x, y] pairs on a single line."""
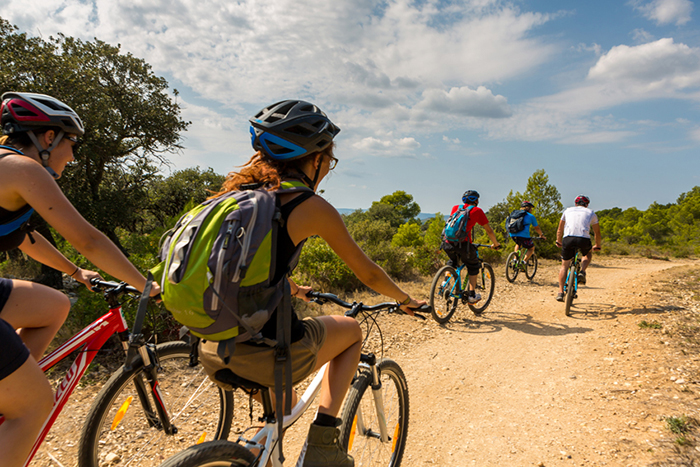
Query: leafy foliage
{"points": [[548, 208], [130, 118]]}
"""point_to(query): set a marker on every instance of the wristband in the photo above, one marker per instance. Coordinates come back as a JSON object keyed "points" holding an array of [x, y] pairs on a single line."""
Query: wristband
{"points": [[77, 268]]}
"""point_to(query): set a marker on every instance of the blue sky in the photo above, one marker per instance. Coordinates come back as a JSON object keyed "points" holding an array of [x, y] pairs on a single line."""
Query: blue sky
{"points": [[433, 97]]}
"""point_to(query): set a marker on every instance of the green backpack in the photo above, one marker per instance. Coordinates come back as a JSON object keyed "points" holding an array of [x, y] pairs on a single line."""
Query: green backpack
{"points": [[217, 264]]}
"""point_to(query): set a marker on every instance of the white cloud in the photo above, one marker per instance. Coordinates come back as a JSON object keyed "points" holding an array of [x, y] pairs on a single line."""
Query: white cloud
{"points": [[665, 11], [465, 102], [695, 134], [387, 147]]}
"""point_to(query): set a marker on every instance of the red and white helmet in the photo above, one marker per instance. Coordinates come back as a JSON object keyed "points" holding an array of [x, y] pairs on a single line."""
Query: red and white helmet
{"points": [[26, 111], [582, 200]]}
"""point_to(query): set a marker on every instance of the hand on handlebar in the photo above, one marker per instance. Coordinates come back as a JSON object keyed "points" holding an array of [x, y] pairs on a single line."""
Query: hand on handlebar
{"points": [[596, 248], [495, 246], [558, 243], [86, 277], [412, 307]]}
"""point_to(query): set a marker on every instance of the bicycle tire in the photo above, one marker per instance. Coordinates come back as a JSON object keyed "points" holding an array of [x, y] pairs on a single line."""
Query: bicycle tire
{"points": [[367, 449], [442, 300], [570, 290], [486, 281], [219, 453], [195, 404], [512, 268], [531, 267]]}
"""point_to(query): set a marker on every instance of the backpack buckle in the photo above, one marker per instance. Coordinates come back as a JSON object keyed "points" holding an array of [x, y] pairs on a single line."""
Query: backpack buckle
{"points": [[281, 354]]}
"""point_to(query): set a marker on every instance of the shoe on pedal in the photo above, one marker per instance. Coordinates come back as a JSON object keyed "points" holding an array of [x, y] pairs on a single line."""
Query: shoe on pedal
{"points": [[322, 448], [473, 298], [560, 297], [582, 278]]}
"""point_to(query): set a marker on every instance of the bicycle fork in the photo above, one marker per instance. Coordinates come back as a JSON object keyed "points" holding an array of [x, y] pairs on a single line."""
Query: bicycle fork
{"points": [[158, 418], [376, 386]]}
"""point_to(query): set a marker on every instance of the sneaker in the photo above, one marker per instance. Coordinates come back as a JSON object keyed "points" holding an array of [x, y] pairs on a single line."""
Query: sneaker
{"points": [[560, 297], [322, 448], [582, 278], [474, 298]]}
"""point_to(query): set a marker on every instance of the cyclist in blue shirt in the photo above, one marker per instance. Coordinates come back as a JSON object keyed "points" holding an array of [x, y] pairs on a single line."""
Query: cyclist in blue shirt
{"points": [[522, 238]]}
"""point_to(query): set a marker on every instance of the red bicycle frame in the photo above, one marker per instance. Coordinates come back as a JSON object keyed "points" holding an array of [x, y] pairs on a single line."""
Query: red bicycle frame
{"points": [[92, 338]]}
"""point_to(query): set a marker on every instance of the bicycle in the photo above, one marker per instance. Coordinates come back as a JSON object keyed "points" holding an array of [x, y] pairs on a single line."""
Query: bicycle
{"points": [[448, 289], [374, 423], [142, 360], [515, 263], [571, 283]]}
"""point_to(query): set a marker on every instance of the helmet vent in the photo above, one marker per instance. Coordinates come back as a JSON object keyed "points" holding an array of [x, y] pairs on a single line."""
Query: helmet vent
{"points": [[284, 110], [322, 143], [277, 149], [301, 130], [22, 111], [51, 105]]}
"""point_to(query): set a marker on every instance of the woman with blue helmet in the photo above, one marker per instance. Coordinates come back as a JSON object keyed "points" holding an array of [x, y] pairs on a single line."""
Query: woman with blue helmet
{"points": [[293, 141]]}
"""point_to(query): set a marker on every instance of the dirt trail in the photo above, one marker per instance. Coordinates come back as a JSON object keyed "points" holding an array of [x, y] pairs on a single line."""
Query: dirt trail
{"points": [[524, 385]]}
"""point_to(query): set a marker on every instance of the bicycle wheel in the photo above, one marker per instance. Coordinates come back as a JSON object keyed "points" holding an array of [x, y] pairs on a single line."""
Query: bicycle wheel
{"points": [[485, 284], [218, 453], [570, 290], [119, 432], [512, 268], [359, 433], [443, 299], [531, 267]]}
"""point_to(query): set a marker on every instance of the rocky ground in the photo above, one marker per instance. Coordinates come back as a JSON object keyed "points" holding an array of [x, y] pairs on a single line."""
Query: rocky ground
{"points": [[524, 385]]}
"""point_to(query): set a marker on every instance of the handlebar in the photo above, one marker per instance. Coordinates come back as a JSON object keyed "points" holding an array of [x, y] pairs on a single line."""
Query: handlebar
{"points": [[115, 288], [355, 308]]}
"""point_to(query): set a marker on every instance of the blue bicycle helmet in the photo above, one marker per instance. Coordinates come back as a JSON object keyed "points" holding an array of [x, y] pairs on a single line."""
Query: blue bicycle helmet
{"points": [[291, 129], [470, 197]]}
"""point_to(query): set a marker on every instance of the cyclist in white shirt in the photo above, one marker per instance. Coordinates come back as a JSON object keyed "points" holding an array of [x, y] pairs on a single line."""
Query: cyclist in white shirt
{"points": [[574, 234]]}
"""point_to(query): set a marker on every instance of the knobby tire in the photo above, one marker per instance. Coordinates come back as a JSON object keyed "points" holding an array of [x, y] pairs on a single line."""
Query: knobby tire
{"points": [[219, 453], [531, 267], [512, 268], [443, 299], [194, 403], [570, 290], [367, 448], [485, 285]]}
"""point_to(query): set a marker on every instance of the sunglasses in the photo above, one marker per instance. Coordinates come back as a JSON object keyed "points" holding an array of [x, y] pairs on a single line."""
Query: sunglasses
{"points": [[76, 142], [333, 163]]}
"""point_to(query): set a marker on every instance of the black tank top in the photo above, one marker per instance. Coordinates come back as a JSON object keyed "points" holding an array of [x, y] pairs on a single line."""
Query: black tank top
{"points": [[287, 258], [13, 224]]}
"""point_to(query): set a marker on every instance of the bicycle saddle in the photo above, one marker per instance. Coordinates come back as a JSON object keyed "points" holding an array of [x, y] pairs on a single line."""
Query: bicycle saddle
{"points": [[227, 376]]}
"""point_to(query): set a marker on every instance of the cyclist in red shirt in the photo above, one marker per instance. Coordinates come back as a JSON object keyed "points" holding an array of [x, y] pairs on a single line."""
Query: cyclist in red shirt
{"points": [[465, 251]]}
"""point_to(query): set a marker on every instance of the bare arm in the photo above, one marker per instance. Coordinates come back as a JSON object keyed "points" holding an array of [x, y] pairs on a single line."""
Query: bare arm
{"points": [[560, 232], [598, 236], [36, 187], [45, 253], [492, 236], [316, 217]]}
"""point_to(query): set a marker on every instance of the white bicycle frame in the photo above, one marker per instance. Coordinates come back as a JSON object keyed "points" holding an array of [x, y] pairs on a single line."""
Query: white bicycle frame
{"points": [[269, 433]]}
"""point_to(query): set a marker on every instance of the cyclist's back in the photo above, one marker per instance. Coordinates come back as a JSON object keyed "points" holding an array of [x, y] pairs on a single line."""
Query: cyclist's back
{"points": [[574, 234]]}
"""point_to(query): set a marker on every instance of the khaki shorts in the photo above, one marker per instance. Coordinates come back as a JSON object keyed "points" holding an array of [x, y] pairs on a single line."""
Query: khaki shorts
{"points": [[258, 363]]}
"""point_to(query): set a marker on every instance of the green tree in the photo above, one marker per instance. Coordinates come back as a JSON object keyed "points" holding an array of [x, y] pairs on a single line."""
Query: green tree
{"points": [[548, 208], [168, 196], [396, 208], [131, 120]]}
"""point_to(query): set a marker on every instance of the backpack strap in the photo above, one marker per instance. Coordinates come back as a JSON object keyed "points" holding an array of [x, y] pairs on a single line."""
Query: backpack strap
{"points": [[283, 362]]}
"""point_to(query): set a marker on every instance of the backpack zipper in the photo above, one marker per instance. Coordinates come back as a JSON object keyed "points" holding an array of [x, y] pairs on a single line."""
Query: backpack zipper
{"points": [[220, 266], [245, 246]]}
